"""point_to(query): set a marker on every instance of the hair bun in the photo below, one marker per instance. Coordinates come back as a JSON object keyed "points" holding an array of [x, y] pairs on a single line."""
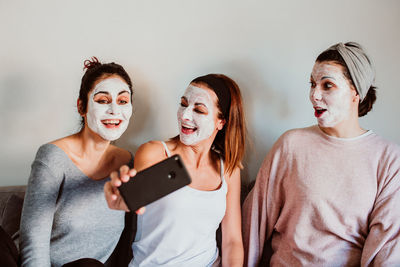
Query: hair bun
{"points": [[91, 63]]}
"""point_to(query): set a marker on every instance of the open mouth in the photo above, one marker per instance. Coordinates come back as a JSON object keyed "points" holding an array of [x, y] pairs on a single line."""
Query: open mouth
{"points": [[188, 129], [319, 111], [110, 124]]}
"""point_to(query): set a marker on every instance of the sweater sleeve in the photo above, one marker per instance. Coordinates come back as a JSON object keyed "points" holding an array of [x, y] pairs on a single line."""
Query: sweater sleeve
{"points": [[37, 215], [261, 208], [382, 245]]}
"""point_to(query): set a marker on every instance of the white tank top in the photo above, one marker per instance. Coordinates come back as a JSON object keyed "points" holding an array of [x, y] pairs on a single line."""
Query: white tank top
{"points": [[179, 229]]}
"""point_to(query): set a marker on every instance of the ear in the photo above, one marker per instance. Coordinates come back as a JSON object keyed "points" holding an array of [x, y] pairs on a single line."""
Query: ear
{"points": [[356, 97], [220, 124]]}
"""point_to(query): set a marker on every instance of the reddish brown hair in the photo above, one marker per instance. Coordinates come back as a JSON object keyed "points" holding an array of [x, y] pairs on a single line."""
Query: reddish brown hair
{"points": [[230, 141]]}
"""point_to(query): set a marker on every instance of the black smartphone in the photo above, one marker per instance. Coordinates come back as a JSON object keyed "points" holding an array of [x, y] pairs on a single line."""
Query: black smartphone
{"points": [[155, 182]]}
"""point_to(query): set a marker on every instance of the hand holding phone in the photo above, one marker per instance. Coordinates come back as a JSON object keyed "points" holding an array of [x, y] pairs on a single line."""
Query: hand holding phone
{"points": [[155, 182], [111, 192]]}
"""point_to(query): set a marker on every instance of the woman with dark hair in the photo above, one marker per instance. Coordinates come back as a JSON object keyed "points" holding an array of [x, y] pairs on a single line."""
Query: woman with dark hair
{"points": [[180, 229], [329, 194], [65, 216]]}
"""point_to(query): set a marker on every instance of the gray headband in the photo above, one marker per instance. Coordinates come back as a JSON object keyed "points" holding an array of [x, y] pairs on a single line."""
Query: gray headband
{"points": [[358, 64]]}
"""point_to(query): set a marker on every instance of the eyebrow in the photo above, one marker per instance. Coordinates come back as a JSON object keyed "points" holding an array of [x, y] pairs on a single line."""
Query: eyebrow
{"points": [[125, 91], [107, 93], [328, 77], [323, 78], [200, 104], [196, 104]]}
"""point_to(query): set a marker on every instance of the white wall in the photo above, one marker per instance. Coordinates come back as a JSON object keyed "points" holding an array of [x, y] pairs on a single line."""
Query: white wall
{"points": [[268, 47]]}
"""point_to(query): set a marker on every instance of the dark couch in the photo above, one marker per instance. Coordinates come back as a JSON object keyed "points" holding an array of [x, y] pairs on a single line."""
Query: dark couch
{"points": [[11, 200]]}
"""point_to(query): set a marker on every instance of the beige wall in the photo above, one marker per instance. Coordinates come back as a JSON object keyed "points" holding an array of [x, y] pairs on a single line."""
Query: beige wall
{"points": [[268, 47]]}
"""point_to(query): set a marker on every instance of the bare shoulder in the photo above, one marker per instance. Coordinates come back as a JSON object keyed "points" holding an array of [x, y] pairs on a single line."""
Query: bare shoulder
{"points": [[149, 154], [150, 149], [62, 142], [66, 143], [121, 155]]}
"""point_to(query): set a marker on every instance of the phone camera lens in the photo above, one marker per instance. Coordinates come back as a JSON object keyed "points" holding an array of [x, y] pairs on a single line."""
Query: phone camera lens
{"points": [[171, 175]]}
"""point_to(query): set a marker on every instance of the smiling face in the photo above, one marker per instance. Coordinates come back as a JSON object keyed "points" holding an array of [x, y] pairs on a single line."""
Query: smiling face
{"points": [[331, 94], [109, 108], [198, 115]]}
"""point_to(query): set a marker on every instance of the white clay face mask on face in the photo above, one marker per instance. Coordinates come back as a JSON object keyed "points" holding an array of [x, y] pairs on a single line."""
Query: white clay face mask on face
{"points": [[109, 115], [330, 94], [193, 125]]}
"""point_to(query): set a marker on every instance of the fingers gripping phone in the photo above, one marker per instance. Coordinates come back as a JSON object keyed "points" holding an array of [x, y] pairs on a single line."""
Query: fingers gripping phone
{"points": [[155, 182]]}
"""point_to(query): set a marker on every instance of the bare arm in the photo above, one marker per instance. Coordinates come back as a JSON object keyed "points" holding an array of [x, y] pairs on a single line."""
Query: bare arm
{"points": [[149, 154], [232, 245]]}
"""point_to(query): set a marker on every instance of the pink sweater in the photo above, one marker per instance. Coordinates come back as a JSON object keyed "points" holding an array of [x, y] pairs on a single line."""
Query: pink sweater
{"points": [[325, 201]]}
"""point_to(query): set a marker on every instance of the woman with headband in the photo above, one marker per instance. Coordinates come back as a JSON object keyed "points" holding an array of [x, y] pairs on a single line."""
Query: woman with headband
{"points": [[180, 229], [329, 194], [65, 216]]}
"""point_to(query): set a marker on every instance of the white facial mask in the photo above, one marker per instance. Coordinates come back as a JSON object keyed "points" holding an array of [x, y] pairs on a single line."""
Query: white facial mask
{"points": [[193, 126], [109, 120], [331, 95]]}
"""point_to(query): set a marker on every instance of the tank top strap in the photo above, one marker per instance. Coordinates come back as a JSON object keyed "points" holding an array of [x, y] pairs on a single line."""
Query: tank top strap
{"points": [[220, 159], [222, 168], [166, 149]]}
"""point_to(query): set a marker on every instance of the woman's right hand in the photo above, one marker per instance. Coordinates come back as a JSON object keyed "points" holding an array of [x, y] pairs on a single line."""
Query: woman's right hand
{"points": [[111, 192]]}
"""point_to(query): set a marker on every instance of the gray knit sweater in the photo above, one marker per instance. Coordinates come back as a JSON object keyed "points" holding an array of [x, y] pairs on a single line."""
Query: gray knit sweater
{"points": [[65, 215]]}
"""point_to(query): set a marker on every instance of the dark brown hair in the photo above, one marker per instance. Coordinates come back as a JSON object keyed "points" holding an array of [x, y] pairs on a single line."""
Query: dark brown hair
{"points": [[230, 141], [334, 56]]}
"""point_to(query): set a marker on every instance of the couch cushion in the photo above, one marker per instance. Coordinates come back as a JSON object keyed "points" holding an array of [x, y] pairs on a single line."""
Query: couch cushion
{"points": [[11, 200], [6, 192], [12, 214]]}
